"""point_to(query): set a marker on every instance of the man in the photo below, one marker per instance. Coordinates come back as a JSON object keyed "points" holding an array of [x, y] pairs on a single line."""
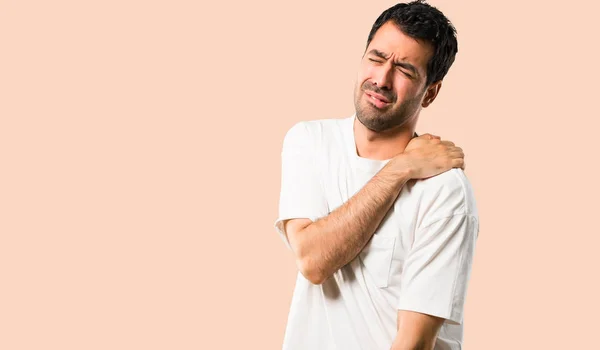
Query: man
{"points": [[382, 222]]}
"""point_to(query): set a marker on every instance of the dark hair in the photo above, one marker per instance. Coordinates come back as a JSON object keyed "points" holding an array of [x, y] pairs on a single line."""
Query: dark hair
{"points": [[424, 22]]}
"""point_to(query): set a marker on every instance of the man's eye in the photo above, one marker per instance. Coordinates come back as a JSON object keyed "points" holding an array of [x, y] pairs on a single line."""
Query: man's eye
{"points": [[373, 60], [407, 75]]}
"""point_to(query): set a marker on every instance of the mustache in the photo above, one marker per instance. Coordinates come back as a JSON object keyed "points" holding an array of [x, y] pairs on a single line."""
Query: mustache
{"points": [[367, 86]]}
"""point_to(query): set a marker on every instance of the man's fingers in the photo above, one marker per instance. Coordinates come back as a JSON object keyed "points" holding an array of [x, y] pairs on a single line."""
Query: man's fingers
{"points": [[458, 163], [457, 151], [456, 154]]}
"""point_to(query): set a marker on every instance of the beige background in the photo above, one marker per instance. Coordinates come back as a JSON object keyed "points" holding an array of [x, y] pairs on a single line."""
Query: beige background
{"points": [[140, 165]]}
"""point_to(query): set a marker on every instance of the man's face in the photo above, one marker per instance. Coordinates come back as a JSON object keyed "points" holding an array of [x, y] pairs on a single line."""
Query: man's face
{"points": [[391, 79]]}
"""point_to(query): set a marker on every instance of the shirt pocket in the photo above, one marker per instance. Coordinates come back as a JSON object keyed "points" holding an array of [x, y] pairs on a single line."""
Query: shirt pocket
{"points": [[376, 257]]}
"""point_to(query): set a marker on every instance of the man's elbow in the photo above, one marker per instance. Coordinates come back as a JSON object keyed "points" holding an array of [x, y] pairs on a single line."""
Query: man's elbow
{"points": [[308, 257], [311, 270]]}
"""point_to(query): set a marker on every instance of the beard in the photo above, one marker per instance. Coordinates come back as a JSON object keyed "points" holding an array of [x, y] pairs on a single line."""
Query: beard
{"points": [[393, 116]]}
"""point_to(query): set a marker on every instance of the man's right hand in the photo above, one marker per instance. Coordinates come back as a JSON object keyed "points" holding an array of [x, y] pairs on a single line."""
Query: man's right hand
{"points": [[427, 155]]}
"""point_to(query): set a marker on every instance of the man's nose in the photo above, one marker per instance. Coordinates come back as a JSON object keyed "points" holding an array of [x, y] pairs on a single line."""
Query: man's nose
{"points": [[383, 77]]}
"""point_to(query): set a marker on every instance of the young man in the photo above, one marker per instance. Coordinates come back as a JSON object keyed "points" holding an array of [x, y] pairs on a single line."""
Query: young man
{"points": [[382, 222]]}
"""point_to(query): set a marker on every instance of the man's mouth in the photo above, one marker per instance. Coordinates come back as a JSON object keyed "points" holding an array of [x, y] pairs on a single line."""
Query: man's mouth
{"points": [[377, 100]]}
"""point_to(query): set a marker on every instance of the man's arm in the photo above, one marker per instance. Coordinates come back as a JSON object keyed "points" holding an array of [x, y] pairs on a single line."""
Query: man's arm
{"points": [[416, 331], [324, 246]]}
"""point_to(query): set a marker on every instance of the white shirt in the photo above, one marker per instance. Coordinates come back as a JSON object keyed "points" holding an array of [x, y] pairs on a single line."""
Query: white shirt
{"points": [[419, 259]]}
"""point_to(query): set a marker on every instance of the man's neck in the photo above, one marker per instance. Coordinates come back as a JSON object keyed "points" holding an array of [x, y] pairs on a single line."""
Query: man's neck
{"points": [[381, 145]]}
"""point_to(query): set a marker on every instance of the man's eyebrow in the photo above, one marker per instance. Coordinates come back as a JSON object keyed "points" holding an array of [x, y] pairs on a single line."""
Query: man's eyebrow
{"points": [[404, 65], [378, 53]]}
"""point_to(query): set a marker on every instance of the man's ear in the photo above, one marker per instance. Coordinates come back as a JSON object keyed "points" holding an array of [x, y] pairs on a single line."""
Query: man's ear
{"points": [[431, 93]]}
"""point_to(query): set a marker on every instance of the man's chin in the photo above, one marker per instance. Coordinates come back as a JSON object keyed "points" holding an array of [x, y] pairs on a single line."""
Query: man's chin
{"points": [[372, 121]]}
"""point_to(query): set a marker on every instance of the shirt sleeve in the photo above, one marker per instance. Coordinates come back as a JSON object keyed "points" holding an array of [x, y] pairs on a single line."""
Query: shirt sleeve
{"points": [[301, 194], [438, 268]]}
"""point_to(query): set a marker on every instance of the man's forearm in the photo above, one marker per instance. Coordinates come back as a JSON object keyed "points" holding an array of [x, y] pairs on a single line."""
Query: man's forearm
{"points": [[333, 241]]}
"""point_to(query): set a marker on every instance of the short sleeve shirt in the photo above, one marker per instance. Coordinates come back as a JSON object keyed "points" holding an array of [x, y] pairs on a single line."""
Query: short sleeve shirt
{"points": [[419, 259]]}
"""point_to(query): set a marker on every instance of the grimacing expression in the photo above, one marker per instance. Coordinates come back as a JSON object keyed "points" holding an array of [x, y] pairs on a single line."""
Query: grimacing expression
{"points": [[390, 86]]}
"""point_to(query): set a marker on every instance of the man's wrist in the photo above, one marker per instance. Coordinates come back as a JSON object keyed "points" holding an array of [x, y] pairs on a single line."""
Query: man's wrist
{"points": [[402, 166]]}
